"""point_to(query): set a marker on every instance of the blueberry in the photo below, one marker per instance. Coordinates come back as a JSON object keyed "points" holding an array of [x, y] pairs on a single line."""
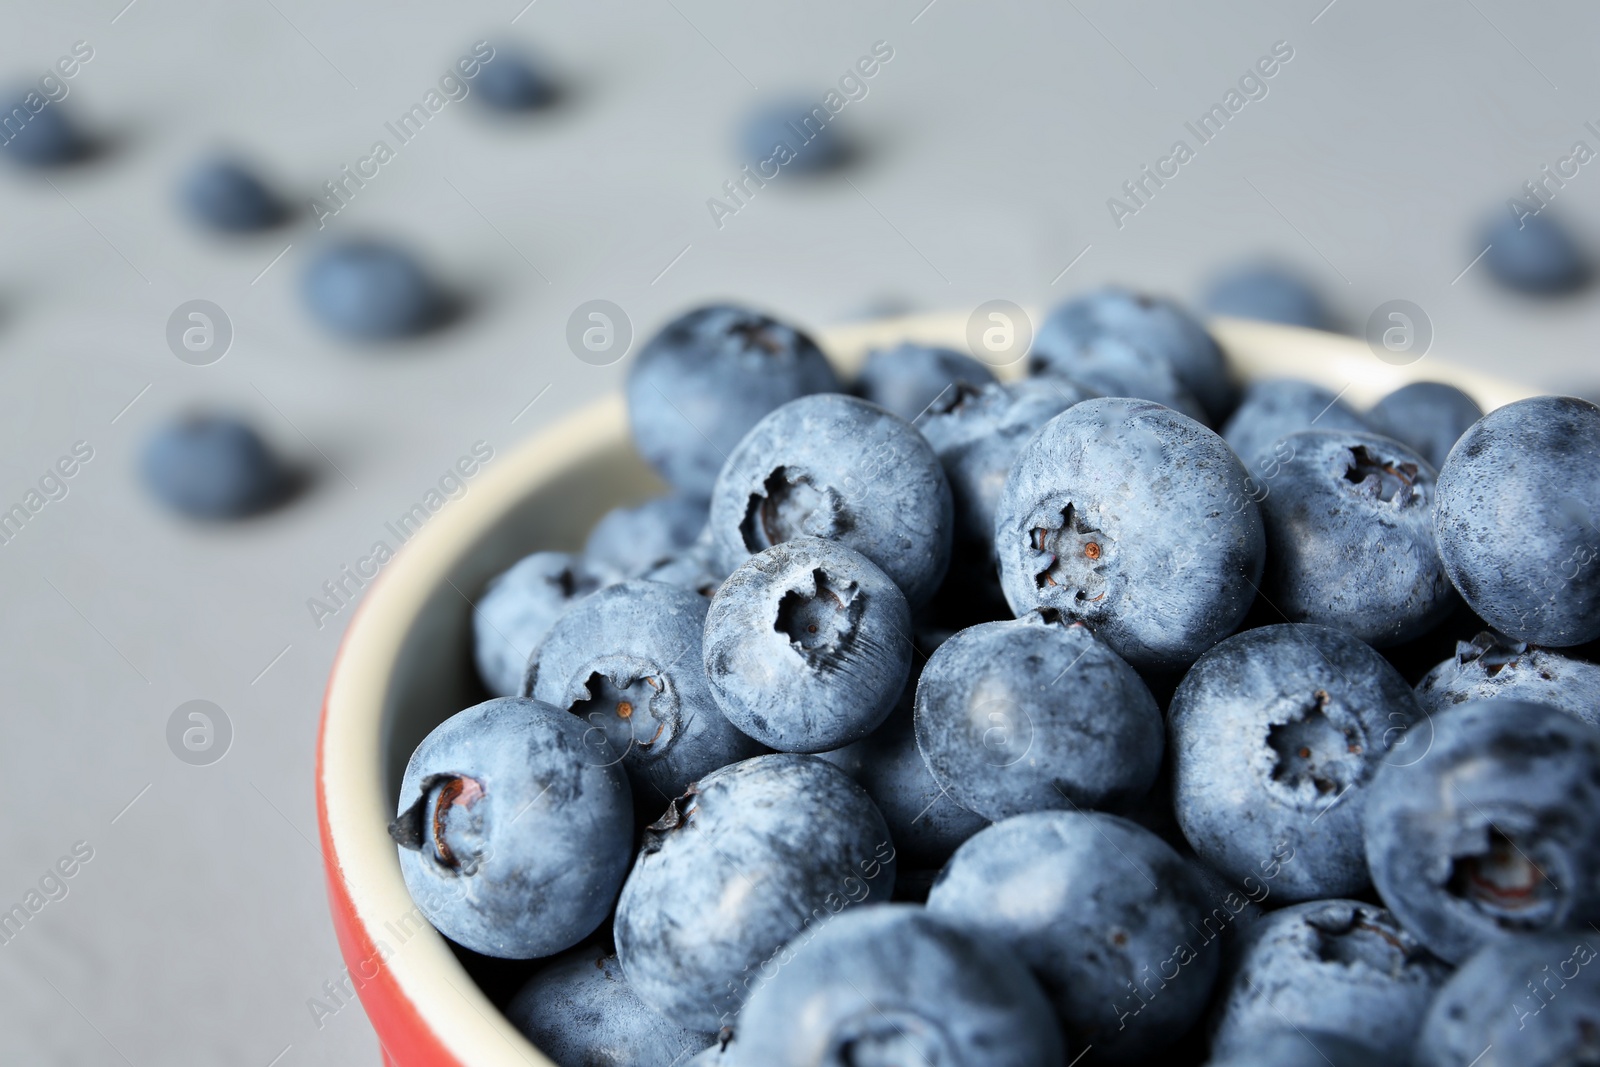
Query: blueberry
{"points": [[1302, 1048], [1130, 518], [1112, 366], [518, 608], [1535, 255], [213, 467], [694, 567], [580, 1011], [807, 646], [626, 660], [512, 81], [1428, 416], [46, 137], [513, 839], [924, 823], [1337, 965], [1339, 505], [893, 985], [798, 135], [907, 378], [1032, 714], [223, 194], [628, 541], [1493, 665], [1518, 519], [1276, 407], [1494, 831], [1531, 1001], [710, 375], [750, 858], [371, 290], [843, 469], [1103, 911], [1267, 292], [1275, 734], [1153, 325]]}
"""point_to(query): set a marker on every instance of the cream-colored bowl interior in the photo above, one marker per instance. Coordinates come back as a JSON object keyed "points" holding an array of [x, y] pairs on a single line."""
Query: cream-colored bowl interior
{"points": [[406, 664]]}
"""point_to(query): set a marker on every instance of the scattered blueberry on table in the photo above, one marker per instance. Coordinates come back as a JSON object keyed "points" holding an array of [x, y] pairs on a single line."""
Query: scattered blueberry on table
{"points": [[49, 137], [372, 290], [513, 81], [1536, 255], [796, 135], [213, 467], [1268, 292], [223, 194]]}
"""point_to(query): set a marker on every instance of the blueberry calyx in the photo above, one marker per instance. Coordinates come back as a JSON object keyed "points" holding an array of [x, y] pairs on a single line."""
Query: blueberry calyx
{"points": [[427, 820], [621, 696], [788, 506], [1382, 479], [1066, 544], [820, 621], [1493, 649], [676, 817], [1505, 883], [956, 395], [757, 334], [1310, 748]]}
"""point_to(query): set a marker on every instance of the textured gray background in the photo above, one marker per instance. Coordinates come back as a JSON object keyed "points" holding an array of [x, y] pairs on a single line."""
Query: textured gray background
{"points": [[197, 932]]}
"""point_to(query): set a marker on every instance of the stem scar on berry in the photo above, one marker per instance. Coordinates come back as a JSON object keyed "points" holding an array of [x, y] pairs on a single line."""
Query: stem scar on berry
{"points": [[424, 821]]}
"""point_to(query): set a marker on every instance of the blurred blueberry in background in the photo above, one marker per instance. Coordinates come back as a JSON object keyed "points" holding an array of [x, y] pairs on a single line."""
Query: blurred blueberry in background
{"points": [[372, 290], [796, 135], [43, 138], [1535, 255], [513, 81], [213, 467], [223, 194], [1266, 291]]}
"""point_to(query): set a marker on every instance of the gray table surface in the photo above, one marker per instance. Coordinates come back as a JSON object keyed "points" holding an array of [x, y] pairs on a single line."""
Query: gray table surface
{"points": [[197, 933]]}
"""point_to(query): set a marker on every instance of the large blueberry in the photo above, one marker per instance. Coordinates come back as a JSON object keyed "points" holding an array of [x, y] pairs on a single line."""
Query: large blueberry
{"points": [[1530, 1001], [1349, 519], [710, 375], [1535, 254], [843, 469], [1518, 519], [1493, 665], [518, 608], [752, 857], [1128, 517], [1103, 911], [1428, 416], [224, 194], [1494, 831], [580, 1011], [1153, 325], [371, 290], [907, 378], [1303, 1048], [925, 824], [1033, 713], [893, 985], [513, 839], [213, 467], [1276, 407], [807, 646], [1337, 965], [628, 541], [626, 660], [1275, 735], [1268, 292]]}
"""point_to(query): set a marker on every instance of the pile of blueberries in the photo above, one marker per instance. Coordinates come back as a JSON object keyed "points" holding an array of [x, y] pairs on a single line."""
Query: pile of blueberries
{"points": [[936, 720]]}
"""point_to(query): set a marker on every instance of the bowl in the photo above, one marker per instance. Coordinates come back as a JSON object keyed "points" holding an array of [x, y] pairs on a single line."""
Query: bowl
{"points": [[405, 662]]}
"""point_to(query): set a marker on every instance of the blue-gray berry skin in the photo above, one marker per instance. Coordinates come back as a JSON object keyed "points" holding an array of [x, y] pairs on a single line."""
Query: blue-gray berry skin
{"points": [[1276, 407], [213, 467], [752, 857], [1030, 714], [626, 661], [925, 824], [1136, 521], [977, 433], [1428, 416], [47, 138], [580, 1011], [710, 375], [1337, 965], [1113, 366], [1104, 912], [1518, 519], [629, 541], [840, 468], [907, 378], [1304, 1048], [518, 608], [1535, 255], [807, 646], [225, 195], [1531, 1001], [788, 133], [1494, 832], [513, 81], [1152, 325], [1493, 666], [513, 839], [694, 567], [1268, 292], [371, 290], [894, 985], [1349, 520], [1275, 736]]}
